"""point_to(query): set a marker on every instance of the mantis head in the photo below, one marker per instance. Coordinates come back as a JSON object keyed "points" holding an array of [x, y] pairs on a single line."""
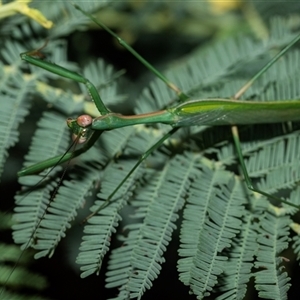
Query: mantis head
{"points": [[81, 128]]}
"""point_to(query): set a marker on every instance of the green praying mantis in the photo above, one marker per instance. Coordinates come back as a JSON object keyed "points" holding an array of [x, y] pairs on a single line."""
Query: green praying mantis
{"points": [[187, 112], [194, 112]]}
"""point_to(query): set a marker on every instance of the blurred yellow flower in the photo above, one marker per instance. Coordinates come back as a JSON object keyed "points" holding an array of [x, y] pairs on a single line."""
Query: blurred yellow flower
{"points": [[221, 6], [21, 6]]}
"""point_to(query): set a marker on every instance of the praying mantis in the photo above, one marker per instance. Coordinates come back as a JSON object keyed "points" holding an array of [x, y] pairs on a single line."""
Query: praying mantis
{"points": [[194, 170]]}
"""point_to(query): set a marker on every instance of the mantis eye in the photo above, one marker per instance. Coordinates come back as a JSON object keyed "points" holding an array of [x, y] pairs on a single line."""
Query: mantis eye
{"points": [[84, 120]]}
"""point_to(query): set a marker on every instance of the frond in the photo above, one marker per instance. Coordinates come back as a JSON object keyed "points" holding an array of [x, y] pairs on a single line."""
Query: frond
{"points": [[49, 140], [138, 261], [203, 261], [63, 210], [271, 281], [238, 267], [101, 226], [14, 91]]}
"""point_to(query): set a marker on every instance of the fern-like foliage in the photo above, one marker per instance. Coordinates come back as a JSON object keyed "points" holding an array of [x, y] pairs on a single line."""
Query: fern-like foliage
{"points": [[191, 187]]}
